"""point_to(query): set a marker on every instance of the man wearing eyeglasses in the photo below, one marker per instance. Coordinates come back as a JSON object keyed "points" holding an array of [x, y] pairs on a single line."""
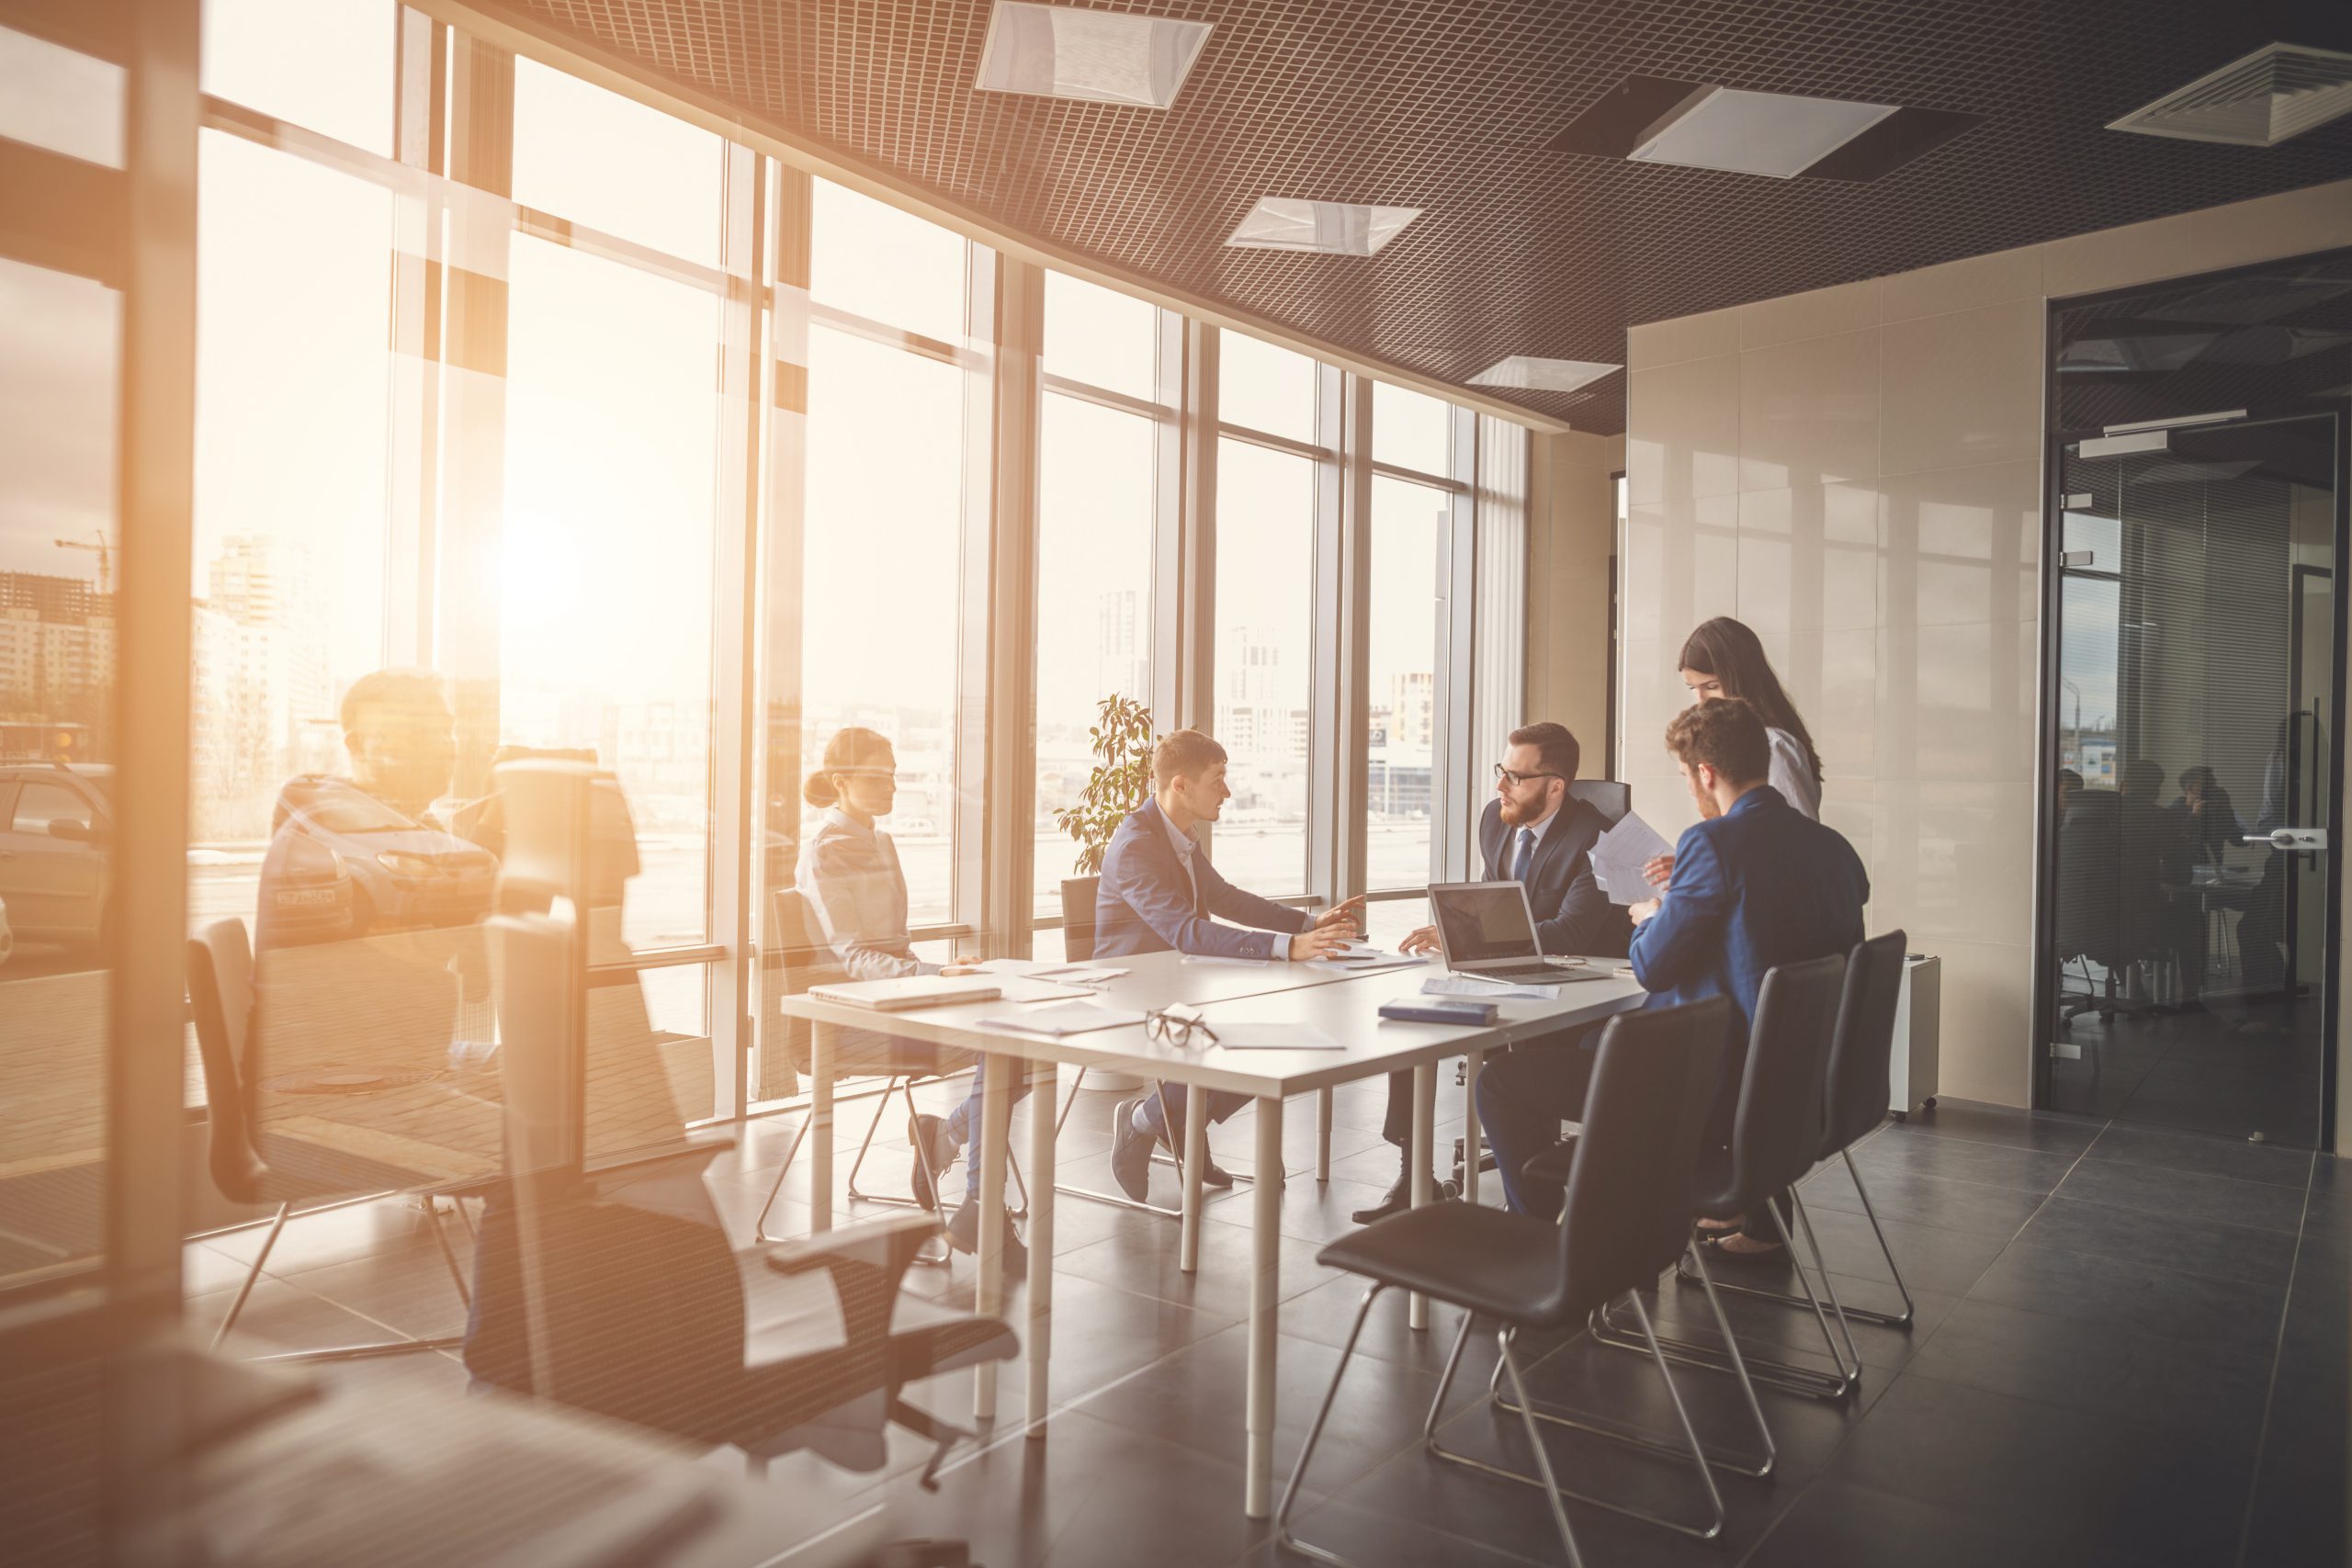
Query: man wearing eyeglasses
{"points": [[1533, 831]]}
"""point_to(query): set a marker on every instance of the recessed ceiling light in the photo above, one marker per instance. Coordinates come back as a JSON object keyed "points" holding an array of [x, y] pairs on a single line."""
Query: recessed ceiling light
{"points": [[1334, 227], [2278, 91], [1655, 120], [1104, 57], [1757, 133], [1525, 373]]}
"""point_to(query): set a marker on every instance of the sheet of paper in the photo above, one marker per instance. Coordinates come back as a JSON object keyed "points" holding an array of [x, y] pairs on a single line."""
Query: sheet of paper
{"points": [[1241, 1035], [1619, 855], [1079, 973], [1238, 963], [1364, 965], [1031, 988], [1486, 990], [1067, 1018]]}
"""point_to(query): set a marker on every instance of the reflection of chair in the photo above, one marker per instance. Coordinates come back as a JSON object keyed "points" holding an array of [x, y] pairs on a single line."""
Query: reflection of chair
{"points": [[1079, 894], [2108, 898], [805, 961], [1627, 1217], [1611, 798], [631, 1304], [260, 1168]]}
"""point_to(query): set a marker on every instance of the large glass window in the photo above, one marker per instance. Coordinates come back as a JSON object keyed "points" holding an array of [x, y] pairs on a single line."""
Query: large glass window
{"points": [[1265, 611], [325, 65], [594, 157], [884, 527], [1097, 482], [1408, 522], [1261, 387], [886, 266], [59, 349], [294, 386], [605, 559]]}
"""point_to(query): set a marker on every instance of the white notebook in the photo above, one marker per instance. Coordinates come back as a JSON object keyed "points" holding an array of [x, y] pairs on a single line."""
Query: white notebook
{"points": [[914, 991]]}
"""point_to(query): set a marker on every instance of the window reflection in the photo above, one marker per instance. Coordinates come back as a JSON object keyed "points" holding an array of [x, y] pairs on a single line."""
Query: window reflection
{"points": [[1407, 521], [59, 347], [1265, 561]]}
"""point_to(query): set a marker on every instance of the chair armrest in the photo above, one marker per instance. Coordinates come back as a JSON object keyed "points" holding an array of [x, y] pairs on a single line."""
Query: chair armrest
{"points": [[868, 1263]]}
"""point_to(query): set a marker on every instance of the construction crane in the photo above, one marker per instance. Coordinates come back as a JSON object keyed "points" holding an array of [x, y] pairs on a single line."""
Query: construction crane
{"points": [[105, 557]]}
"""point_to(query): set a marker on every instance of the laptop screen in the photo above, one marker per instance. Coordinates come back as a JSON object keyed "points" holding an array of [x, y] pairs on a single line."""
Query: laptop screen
{"points": [[1484, 922]]}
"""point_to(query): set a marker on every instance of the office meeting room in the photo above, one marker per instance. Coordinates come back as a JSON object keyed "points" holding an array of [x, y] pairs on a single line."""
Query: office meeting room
{"points": [[1036, 783]]}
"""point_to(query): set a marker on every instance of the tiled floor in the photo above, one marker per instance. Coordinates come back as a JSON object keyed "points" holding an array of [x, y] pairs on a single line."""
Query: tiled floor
{"points": [[2131, 1348]]}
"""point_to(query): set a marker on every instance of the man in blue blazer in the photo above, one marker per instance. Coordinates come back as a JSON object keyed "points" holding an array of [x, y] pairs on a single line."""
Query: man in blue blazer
{"points": [[1535, 832], [1158, 891], [1756, 884]]}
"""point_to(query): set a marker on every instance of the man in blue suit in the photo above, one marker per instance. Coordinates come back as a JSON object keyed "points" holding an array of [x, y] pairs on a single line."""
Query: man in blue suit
{"points": [[1158, 891], [1756, 884]]}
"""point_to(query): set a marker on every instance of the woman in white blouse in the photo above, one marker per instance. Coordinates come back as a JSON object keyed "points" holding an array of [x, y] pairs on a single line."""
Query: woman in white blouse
{"points": [[1723, 658], [850, 877]]}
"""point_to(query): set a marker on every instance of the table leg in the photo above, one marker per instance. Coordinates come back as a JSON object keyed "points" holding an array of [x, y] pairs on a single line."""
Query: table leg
{"points": [[1044, 1091], [1266, 1295], [821, 1126], [1416, 1307], [1196, 1159], [1473, 1135], [1322, 1135], [996, 1131]]}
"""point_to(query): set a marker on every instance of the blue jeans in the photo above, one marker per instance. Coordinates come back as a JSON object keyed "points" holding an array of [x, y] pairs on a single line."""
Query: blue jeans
{"points": [[1167, 1121]]}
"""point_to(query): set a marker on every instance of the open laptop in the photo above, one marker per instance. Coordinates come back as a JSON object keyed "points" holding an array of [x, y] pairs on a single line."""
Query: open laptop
{"points": [[1486, 931]]}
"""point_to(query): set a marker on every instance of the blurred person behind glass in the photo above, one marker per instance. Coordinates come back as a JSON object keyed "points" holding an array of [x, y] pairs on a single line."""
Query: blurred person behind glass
{"points": [[857, 895]]}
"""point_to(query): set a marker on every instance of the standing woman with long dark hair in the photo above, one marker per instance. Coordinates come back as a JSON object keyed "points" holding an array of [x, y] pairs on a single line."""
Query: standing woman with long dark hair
{"points": [[1723, 658]]}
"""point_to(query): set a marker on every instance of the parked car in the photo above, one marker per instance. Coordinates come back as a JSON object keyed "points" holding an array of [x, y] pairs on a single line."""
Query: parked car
{"points": [[402, 873], [56, 838]]}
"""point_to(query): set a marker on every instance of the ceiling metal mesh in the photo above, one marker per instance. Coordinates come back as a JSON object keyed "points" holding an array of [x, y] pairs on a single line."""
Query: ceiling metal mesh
{"points": [[1448, 107]]}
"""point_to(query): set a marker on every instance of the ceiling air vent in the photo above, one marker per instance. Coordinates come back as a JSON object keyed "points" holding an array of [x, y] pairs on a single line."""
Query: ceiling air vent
{"points": [[2277, 92]]}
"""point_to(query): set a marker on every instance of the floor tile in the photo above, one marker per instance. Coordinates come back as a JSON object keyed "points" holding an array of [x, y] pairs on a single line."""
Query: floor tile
{"points": [[1985, 1123], [1946, 1261], [2099, 1369], [1921, 1200], [2187, 1195], [1961, 1159], [2087, 1484], [2136, 1295], [2193, 1247], [1836, 1525], [2199, 1152]]}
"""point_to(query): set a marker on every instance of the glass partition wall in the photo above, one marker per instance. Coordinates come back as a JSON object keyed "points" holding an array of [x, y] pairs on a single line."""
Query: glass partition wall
{"points": [[2194, 708], [530, 420]]}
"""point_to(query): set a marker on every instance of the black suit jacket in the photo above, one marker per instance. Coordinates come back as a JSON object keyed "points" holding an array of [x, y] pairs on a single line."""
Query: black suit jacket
{"points": [[1573, 916]]}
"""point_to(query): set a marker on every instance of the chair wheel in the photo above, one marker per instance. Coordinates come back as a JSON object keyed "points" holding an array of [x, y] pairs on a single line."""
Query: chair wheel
{"points": [[1928, 1103], [1449, 1191], [1902, 1115]]}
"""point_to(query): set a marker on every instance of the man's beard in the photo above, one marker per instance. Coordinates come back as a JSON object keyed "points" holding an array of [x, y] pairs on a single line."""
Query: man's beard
{"points": [[1516, 813]]}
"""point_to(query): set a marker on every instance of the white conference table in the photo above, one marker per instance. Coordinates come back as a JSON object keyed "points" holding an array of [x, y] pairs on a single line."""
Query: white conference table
{"points": [[1343, 1005]]}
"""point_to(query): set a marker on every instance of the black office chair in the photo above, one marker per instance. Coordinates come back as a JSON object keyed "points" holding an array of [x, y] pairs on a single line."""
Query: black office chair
{"points": [[1612, 799], [1776, 1136], [805, 961], [250, 1168], [1858, 1092], [617, 1292], [1627, 1217]]}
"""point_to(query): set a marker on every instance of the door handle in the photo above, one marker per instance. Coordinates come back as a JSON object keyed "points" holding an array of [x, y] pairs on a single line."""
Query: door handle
{"points": [[2302, 840]]}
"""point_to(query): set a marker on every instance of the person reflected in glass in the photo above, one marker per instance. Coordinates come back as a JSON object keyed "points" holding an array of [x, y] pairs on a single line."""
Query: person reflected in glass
{"points": [[1722, 659], [857, 895], [2212, 825]]}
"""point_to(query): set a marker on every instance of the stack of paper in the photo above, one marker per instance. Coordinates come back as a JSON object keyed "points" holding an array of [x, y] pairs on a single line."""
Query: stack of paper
{"points": [[1067, 1017], [1486, 990], [1619, 855]]}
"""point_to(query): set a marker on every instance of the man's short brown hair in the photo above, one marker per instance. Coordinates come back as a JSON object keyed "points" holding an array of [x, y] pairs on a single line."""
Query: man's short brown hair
{"points": [[1183, 754], [405, 692], [1556, 749], [1726, 735]]}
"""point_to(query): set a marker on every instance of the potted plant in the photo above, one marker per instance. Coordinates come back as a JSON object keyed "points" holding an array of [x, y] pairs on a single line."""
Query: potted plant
{"points": [[1121, 740]]}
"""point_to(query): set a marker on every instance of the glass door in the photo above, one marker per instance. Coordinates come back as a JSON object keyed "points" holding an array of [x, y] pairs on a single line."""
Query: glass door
{"points": [[2190, 930]]}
